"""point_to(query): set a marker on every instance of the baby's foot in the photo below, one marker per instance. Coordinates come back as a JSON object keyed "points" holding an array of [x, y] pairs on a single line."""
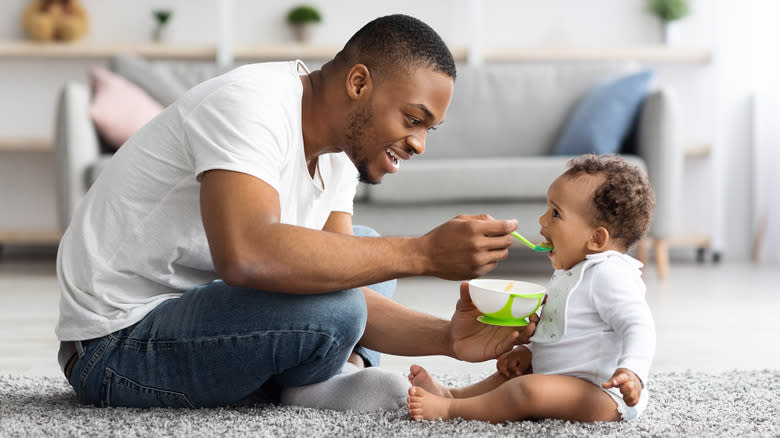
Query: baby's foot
{"points": [[422, 405], [419, 377]]}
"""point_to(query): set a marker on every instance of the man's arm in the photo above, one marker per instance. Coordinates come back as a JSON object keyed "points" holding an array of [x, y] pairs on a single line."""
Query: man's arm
{"points": [[251, 248], [395, 329]]}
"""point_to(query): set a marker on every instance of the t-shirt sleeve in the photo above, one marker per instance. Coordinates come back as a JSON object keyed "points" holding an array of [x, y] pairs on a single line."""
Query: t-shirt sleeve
{"points": [[236, 128], [345, 184], [618, 296]]}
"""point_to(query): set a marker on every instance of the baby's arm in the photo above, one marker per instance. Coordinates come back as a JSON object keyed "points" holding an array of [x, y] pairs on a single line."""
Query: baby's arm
{"points": [[619, 300], [515, 362], [629, 383]]}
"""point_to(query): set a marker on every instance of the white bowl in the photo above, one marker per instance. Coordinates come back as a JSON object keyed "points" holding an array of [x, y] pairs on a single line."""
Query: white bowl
{"points": [[506, 302]]}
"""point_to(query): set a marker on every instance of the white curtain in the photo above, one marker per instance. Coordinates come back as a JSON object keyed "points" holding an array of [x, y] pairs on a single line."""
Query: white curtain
{"points": [[767, 176], [766, 134]]}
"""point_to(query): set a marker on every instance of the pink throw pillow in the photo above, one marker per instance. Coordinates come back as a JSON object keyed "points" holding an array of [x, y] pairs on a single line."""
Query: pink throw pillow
{"points": [[118, 107]]}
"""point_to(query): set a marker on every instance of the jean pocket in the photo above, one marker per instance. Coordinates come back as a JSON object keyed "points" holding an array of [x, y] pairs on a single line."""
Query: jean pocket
{"points": [[119, 391]]}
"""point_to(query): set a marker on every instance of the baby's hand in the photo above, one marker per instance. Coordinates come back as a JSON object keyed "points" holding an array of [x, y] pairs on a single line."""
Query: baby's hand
{"points": [[629, 383], [514, 363]]}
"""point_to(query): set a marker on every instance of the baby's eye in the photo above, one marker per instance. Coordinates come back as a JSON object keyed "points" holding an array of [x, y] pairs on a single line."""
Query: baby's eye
{"points": [[555, 213]]}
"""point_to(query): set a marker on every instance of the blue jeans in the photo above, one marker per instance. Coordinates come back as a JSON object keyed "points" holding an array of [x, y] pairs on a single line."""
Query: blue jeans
{"points": [[217, 344]]}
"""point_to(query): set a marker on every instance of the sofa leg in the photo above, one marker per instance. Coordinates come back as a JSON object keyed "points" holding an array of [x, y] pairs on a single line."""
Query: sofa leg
{"points": [[662, 258], [641, 251]]}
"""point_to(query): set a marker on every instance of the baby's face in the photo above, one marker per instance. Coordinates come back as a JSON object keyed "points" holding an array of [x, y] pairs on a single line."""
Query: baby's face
{"points": [[567, 222]]}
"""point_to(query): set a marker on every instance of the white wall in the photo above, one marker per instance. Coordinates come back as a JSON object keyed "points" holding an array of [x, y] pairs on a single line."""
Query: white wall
{"points": [[28, 87], [511, 22]]}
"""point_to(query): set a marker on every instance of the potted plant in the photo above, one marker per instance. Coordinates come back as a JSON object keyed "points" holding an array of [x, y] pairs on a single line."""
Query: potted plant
{"points": [[161, 18], [301, 18], [669, 12]]}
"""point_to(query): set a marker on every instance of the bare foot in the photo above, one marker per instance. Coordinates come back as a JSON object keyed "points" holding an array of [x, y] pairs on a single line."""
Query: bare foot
{"points": [[422, 405], [419, 377]]}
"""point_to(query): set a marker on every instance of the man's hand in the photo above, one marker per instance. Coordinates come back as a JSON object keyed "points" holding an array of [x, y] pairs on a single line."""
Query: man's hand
{"points": [[467, 247], [474, 341], [629, 383], [514, 363]]}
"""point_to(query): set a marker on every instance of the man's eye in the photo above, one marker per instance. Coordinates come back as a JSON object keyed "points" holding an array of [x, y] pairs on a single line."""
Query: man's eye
{"points": [[414, 121], [432, 128]]}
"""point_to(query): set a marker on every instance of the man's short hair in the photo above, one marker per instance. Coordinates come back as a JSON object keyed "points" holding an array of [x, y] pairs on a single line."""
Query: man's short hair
{"points": [[624, 202], [397, 44]]}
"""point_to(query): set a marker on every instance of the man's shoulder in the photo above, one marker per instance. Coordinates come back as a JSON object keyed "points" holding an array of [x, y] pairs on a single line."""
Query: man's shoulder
{"points": [[261, 73]]}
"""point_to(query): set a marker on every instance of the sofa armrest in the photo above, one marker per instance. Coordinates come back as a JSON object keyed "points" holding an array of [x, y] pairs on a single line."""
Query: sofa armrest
{"points": [[660, 147], [76, 148]]}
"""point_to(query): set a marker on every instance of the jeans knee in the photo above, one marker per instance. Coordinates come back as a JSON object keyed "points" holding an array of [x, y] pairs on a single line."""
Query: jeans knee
{"points": [[364, 231], [352, 315]]}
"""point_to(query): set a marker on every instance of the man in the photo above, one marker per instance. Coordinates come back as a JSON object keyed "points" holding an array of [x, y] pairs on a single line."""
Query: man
{"points": [[203, 262]]}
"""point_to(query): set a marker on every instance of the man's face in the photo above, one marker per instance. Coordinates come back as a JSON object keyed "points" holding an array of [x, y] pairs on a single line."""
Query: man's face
{"points": [[391, 125]]}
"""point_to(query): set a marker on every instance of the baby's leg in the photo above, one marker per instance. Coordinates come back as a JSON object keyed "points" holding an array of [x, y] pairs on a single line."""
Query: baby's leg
{"points": [[419, 377], [529, 396]]}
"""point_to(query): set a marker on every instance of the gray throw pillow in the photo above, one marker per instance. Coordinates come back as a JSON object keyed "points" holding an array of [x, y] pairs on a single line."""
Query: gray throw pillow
{"points": [[159, 82]]}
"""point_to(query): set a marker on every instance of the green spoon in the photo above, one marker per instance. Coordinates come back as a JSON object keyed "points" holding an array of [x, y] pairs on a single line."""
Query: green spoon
{"points": [[541, 248]]}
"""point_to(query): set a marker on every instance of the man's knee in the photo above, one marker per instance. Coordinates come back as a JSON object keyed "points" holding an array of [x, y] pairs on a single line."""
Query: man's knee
{"points": [[364, 231], [351, 315]]}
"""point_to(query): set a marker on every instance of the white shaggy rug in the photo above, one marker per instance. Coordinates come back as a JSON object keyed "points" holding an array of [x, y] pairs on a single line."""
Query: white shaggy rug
{"points": [[683, 404]]}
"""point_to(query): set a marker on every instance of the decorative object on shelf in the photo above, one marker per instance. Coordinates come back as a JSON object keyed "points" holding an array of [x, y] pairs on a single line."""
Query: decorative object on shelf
{"points": [[669, 12], [302, 18], [47, 20], [161, 18]]}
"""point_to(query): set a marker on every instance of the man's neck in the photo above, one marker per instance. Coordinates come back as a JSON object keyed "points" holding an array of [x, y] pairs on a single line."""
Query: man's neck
{"points": [[315, 134]]}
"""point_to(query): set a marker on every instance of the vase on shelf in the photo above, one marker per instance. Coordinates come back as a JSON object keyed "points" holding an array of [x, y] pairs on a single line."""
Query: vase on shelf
{"points": [[302, 19], [302, 32], [671, 33]]}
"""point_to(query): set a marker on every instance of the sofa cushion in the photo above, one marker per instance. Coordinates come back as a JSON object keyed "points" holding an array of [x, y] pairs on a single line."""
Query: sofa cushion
{"points": [[165, 81], [96, 168], [417, 219], [604, 116], [469, 179], [118, 108], [441, 181], [515, 109]]}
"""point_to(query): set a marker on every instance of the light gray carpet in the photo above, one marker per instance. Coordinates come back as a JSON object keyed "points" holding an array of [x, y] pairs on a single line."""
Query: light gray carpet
{"points": [[733, 404]]}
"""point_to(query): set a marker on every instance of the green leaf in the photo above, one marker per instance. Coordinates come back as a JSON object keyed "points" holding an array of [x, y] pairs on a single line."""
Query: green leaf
{"points": [[303, 14], [669, 10]]}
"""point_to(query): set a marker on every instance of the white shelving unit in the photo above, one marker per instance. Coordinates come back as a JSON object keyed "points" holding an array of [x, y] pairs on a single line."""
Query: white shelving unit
{"points": [[27, 49]]}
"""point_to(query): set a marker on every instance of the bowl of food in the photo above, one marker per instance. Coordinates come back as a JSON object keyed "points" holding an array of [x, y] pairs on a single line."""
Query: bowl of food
{"points": [[506, 302]]}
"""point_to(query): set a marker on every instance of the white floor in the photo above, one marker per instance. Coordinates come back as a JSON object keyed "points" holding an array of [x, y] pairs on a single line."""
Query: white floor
{"points": [[708, 317]]}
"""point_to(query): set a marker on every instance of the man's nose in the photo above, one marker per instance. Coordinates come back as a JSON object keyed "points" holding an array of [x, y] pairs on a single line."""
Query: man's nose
{"points": [[417, 142]]}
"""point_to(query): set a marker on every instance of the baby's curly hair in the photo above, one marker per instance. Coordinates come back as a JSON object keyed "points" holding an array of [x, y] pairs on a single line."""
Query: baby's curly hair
{"points": [[624, 202]]}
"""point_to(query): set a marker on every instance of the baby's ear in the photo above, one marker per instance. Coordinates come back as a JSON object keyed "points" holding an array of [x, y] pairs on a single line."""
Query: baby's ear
{"points": [[599, 239]]}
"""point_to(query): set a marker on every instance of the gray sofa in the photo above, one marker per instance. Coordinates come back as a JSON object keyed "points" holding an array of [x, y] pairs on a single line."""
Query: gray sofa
{"points": [[492, 155]]}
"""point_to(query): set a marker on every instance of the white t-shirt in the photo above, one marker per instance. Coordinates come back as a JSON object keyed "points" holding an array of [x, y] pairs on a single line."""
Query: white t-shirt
{"points": [[137, 238], [595, 320]]}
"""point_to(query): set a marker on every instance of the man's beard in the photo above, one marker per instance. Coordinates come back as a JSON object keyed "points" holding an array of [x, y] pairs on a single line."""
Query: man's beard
{"points": [[355, 135]]}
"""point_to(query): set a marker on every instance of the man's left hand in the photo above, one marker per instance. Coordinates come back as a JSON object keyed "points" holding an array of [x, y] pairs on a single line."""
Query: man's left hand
{"points": [[474, 341]]}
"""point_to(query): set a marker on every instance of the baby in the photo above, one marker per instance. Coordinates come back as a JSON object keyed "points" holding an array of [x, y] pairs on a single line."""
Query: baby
{"points": [[590, 355]]}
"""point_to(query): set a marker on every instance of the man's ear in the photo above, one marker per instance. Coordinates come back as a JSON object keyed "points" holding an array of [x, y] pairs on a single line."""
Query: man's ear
{"points": [[358, 81], [599, 239]]}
